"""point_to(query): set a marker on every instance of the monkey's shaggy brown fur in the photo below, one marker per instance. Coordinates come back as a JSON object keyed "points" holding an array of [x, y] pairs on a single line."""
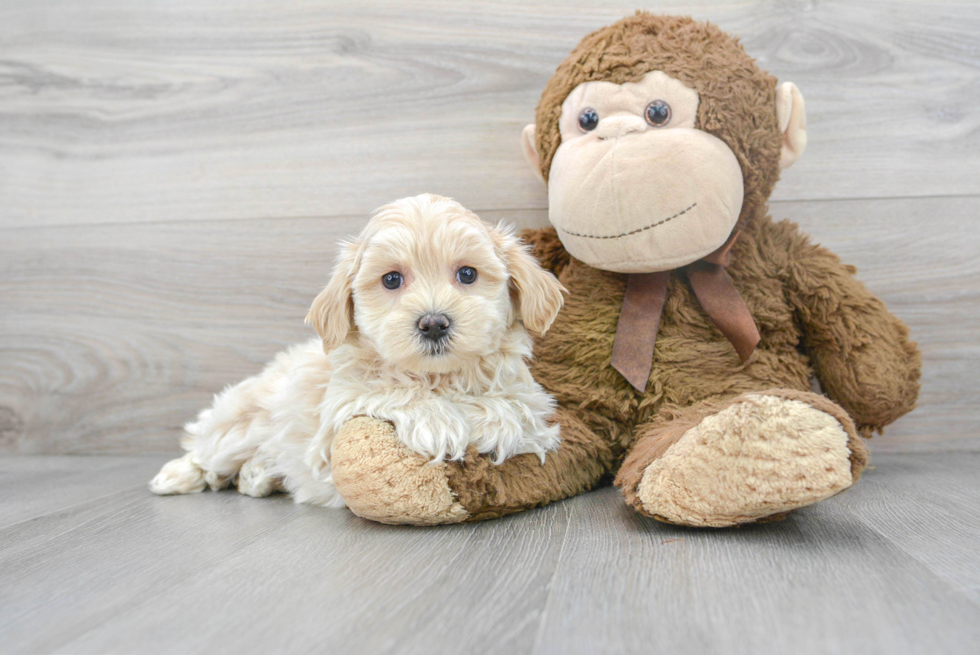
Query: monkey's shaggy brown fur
{"points": [[814, 317]]}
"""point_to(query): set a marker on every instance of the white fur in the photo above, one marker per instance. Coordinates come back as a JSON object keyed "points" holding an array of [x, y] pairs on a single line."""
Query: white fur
{"points": [[274, 431]]}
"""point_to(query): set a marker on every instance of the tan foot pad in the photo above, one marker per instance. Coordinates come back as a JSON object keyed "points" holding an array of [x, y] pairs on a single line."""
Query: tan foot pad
{"points": [[381, 479], [761, 456]]}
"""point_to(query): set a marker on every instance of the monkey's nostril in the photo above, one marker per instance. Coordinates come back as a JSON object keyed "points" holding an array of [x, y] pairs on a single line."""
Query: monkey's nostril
{"points": [[434, 326]]}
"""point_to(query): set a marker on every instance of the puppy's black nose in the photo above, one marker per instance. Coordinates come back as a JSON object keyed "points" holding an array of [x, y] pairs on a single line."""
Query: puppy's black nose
{"points": [[434, 326]]}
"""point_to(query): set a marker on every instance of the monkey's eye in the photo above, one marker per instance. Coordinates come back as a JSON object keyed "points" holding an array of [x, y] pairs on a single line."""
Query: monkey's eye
{"points": [[466, 275], [392, 280], [588, 119], [658, 113]]}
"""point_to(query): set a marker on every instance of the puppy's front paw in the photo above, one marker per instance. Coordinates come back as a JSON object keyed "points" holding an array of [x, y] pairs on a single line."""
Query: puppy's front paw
{"points": [[505, 427], [434, 428], [383, 480]]}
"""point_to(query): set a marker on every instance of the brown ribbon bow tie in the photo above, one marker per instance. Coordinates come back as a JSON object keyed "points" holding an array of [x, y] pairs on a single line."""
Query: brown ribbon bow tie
{"points": [[643, 304]]}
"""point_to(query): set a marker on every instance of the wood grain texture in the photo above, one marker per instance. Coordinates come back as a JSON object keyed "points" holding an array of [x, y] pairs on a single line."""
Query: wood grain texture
{"points": [[173, 178], [120, 111], [926, 506], [115, 569], [234, 574], [41, 485], [160, 544], [822, 581], [113, 336]]}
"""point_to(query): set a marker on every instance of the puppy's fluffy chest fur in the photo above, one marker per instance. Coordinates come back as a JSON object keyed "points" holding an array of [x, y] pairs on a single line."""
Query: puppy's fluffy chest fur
{"points": [[493, 405]]}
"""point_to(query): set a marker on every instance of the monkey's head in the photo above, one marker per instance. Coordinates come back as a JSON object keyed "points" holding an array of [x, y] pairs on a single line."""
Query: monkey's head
{"points": [[656, 137]]}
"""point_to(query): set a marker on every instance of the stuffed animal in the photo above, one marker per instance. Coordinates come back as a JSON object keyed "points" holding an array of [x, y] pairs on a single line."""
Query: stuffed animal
{"points": [[682, 362]]}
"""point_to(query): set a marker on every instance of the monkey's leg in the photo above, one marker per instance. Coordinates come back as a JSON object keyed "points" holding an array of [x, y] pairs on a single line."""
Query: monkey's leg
{"points": [[741, 460], [381, 479]]}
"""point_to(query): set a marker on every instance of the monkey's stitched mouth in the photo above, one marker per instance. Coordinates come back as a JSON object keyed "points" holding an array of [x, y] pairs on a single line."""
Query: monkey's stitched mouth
{"points": [[631, 232]]}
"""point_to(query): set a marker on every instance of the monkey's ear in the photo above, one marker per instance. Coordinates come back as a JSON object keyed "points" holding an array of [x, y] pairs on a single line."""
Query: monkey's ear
{"points": [[332, 312], [791, 114], [530, 151]]}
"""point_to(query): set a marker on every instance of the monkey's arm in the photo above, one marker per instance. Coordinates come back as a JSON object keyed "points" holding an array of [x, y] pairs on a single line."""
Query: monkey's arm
{"points": [[487, 490], [547, 248], [382, 480], [862, 354]]}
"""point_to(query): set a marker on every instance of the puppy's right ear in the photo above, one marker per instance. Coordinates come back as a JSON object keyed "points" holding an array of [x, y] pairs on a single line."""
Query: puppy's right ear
{"points": [[332, 312]]}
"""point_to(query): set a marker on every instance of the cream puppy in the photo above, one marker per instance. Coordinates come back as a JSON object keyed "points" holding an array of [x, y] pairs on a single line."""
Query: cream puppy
{"points": [[423, 324]]}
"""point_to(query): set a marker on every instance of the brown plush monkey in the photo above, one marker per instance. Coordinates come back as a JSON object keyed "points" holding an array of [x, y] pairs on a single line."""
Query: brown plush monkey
{"points": [[683, 357]]}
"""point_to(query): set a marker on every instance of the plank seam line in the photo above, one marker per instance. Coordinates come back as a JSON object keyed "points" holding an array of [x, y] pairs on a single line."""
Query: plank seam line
{"points": [[539, 635], [941, 579], [365, 215], [208, 565], [118, 492]]}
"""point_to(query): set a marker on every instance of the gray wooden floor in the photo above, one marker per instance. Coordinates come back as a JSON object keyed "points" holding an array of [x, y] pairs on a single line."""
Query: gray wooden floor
{"points": [[91, 562]]}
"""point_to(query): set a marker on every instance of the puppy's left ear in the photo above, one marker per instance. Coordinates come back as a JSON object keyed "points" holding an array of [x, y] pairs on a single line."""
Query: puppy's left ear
{"points": [[539, 293], [332, 312]]}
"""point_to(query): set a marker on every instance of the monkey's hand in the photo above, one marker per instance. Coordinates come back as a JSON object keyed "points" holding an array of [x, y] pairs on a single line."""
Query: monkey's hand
{"points": [[862, 353], [383, 480]]}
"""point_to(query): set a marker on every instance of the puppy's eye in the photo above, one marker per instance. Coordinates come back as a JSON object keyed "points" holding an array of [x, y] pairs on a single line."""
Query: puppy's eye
{"points": [[466, 275], [658, 113], [588, 119], [392, 280]]}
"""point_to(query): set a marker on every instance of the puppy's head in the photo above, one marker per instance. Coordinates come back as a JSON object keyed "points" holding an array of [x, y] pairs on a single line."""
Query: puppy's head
{"points": [[431, 287]]}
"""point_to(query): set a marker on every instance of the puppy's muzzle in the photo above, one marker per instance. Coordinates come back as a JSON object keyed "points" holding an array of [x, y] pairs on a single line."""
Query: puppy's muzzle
{"points": [[434, 327]]}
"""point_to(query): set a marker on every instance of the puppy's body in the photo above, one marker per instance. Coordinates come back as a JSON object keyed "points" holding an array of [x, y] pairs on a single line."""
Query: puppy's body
{"points": [[470, 386]]}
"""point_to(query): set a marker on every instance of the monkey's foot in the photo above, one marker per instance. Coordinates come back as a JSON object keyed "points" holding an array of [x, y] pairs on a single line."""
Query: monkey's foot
{"points": [[763, 455], [383, 480]]}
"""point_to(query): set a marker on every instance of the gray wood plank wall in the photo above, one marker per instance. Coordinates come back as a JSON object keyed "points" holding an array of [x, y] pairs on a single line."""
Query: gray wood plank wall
{"points": [[173, 178]]}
